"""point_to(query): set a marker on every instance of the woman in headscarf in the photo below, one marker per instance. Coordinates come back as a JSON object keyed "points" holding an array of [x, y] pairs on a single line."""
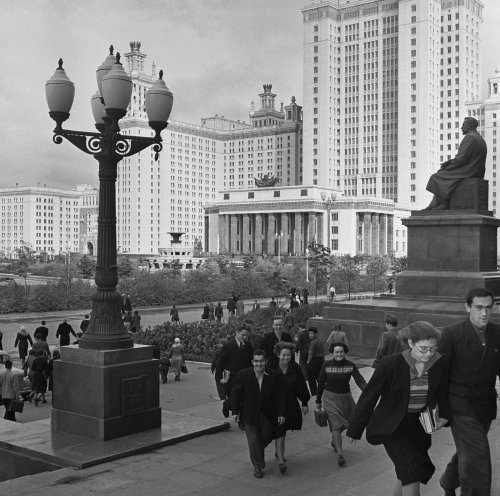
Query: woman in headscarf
{"points": [[176, 355]]}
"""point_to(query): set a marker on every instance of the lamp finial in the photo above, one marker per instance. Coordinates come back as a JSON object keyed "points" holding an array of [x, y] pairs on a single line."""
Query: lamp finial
{"points": [[161, 74], [60, 62], [111, 48], [118, 58]]}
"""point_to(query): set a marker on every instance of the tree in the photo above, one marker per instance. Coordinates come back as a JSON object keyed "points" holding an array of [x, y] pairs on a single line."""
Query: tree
{"points": [[319, 262], [377, 268], [347, 268], [125, 266], [86, 267], [24, 256]]}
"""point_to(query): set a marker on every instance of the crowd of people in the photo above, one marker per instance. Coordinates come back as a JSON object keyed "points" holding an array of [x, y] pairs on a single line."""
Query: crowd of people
{"points": [[424, 379]]}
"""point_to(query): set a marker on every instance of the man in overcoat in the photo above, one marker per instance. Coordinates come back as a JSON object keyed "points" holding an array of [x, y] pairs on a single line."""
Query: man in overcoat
{"points": [[469, 162], [258, 400], [473, 347], [235, 355]]}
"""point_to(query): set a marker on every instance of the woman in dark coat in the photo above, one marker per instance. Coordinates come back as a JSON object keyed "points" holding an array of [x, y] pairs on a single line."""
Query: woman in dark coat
{"points": [[38, 377], [296, 390], [402, 387]]}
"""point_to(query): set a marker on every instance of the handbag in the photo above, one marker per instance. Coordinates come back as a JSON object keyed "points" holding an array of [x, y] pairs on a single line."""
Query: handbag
{"points": [[16, 406], [184, 369], [320, 418]]}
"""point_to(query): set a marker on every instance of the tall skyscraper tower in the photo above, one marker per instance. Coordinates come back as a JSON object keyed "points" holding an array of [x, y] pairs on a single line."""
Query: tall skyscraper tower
{"points": [[376, 94]]}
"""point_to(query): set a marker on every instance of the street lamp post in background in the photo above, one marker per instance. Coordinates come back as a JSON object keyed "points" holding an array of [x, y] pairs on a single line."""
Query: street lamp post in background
{"points": [[108, 146], [279, 236], [328, 202], [307, 264]]}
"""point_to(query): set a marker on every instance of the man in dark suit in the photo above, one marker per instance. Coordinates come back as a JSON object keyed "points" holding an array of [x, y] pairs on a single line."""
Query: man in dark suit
{"points": [[473, 347], [63, 332], [270, 340], [469, 162], [258, 400], [236, 354], [42, 331]]}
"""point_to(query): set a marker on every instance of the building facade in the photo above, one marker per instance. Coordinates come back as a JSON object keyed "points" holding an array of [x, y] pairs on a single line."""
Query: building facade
{"points": [[49, 219], [385, 88], [268, 221], [155, 198]]}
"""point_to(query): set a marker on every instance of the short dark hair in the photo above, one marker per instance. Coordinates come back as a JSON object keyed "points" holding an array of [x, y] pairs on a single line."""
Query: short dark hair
{"points": [[478, 293], [418, 331], [8, 364], [313, 329], [343, 345], [43, 322], [337, 327], [260, 353], [391, 319]]}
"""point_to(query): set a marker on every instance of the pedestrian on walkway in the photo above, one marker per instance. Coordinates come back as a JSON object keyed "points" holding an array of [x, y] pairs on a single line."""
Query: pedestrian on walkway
{"points": [[211, 312], [164, 366], [174, 314], [401, 387], [271, 338], [40, 345], [127, 303], [258, 401], [272, 303], [315, 359], [206, 312], [231, 305], [305, 296], [303, 341], [63, 332], [389, 343], [85, 323], [332, 292], [176, 356], [334, 393], [219, 312], [21, 343], [473, 347], [256, 305], [9, 390], [236, 355], [337, 336], [50, 371], [295, 391], [135, 326], [41, 331], [38, 377], [127, 320]]}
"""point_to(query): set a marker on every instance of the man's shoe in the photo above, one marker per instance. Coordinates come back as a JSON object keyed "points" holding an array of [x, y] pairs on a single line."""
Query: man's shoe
{"points": [[225, 411], [341, 460], [258, 473]]}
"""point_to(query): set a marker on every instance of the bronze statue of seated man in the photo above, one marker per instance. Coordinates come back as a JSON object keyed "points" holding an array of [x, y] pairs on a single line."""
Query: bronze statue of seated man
{"points": [[469, 162]]}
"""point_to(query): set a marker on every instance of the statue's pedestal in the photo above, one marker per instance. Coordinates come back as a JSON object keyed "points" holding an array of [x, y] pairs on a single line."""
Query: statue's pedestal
{"points": [[104, 394], [449, 252]]}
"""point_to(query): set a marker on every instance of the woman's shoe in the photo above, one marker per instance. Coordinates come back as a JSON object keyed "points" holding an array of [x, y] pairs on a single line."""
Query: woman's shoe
{"points": [[341, 460], [282, 467]]}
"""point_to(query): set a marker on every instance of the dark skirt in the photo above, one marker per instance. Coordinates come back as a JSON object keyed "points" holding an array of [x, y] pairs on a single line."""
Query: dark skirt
{"points": [[407, 448]]}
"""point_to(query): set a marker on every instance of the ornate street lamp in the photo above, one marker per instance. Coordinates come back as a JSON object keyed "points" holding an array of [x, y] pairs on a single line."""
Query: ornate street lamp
{"points": [[329, 200], [108, 146]]}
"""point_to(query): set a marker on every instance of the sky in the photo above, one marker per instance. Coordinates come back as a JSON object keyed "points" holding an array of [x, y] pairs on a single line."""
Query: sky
{"points": [[215, 54]]}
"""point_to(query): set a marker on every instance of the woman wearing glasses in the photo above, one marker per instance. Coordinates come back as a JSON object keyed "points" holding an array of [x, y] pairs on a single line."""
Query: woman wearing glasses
{"points": [[406, 384]]}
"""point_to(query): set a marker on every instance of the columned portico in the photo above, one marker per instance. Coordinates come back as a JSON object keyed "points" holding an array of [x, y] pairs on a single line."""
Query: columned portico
{"points": [[285, 228], [247, 245], [271, 234], [298, 247]]}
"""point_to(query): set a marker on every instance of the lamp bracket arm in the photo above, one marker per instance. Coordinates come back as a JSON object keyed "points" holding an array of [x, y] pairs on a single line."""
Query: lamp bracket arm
{"points": [[127, 146], [88, 142]]}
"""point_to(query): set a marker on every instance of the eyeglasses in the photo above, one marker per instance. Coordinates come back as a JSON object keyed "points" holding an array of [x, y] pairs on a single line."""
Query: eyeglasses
{"points": [[426, 349]]}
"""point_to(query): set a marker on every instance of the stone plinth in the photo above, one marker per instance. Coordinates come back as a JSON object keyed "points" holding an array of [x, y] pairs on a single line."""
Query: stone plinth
{"points": [[449, 252], [471, 195], [105, 394]]}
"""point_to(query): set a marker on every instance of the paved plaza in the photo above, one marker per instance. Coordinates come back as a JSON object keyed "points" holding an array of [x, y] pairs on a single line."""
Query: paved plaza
{"points": [[218, 464]]}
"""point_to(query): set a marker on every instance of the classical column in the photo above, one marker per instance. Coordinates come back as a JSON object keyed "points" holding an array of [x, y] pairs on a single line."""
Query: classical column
{"points": [[375, 234], [390, 234], [271, 234], [227, 241], [367, 233], [258, 234], [234, 233], [285, 227], [222, 233], [311, 227], [246, 235], [383, 235], [321, 221], [298, 247]]}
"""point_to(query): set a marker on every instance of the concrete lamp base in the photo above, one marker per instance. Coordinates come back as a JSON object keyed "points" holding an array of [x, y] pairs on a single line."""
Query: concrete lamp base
{"points": [[105, 394]]}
